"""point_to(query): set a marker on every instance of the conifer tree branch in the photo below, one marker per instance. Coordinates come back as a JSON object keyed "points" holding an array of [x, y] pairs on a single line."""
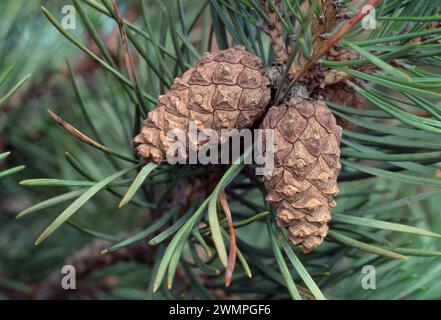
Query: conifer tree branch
{"points": [[334, 39], [331, 13]]}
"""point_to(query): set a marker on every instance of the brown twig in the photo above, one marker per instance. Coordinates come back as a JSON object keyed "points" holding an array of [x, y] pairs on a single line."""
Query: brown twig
{"points": [[334, 39], [331, 14], [274, 29], [233, 246]]}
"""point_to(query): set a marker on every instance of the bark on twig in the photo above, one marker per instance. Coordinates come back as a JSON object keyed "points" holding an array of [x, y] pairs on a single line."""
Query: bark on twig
{"points": [[274, 29]]}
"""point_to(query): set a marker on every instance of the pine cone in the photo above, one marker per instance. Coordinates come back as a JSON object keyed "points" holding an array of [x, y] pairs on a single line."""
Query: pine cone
{"points": [[304, 180], [225, 90]]}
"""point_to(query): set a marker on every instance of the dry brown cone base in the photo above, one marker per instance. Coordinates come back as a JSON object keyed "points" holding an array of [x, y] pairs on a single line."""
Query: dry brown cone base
{"points": [[304, 180], [225, 90]]}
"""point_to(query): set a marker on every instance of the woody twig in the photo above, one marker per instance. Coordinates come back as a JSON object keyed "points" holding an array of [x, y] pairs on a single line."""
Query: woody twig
{"points": [[274, 29]]}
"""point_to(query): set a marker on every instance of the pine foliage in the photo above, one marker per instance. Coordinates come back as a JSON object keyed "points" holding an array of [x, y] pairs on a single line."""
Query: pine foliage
{"points": [[390, 157]]}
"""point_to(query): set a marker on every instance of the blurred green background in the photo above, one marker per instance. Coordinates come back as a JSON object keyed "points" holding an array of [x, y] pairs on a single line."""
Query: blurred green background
{"points": [[30, 44]]}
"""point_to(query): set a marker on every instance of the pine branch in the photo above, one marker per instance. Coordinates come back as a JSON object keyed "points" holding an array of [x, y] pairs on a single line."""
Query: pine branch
{"points": [[332, 41], [395, 137]]}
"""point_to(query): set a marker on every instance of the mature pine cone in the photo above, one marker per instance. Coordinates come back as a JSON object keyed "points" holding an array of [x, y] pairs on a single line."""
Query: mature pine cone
{"points": [[225, 90], [304, 180]]}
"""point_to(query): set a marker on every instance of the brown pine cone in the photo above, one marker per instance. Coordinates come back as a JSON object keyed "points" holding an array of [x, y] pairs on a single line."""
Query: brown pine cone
{"points": [[304, 180], [224, 90]]}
